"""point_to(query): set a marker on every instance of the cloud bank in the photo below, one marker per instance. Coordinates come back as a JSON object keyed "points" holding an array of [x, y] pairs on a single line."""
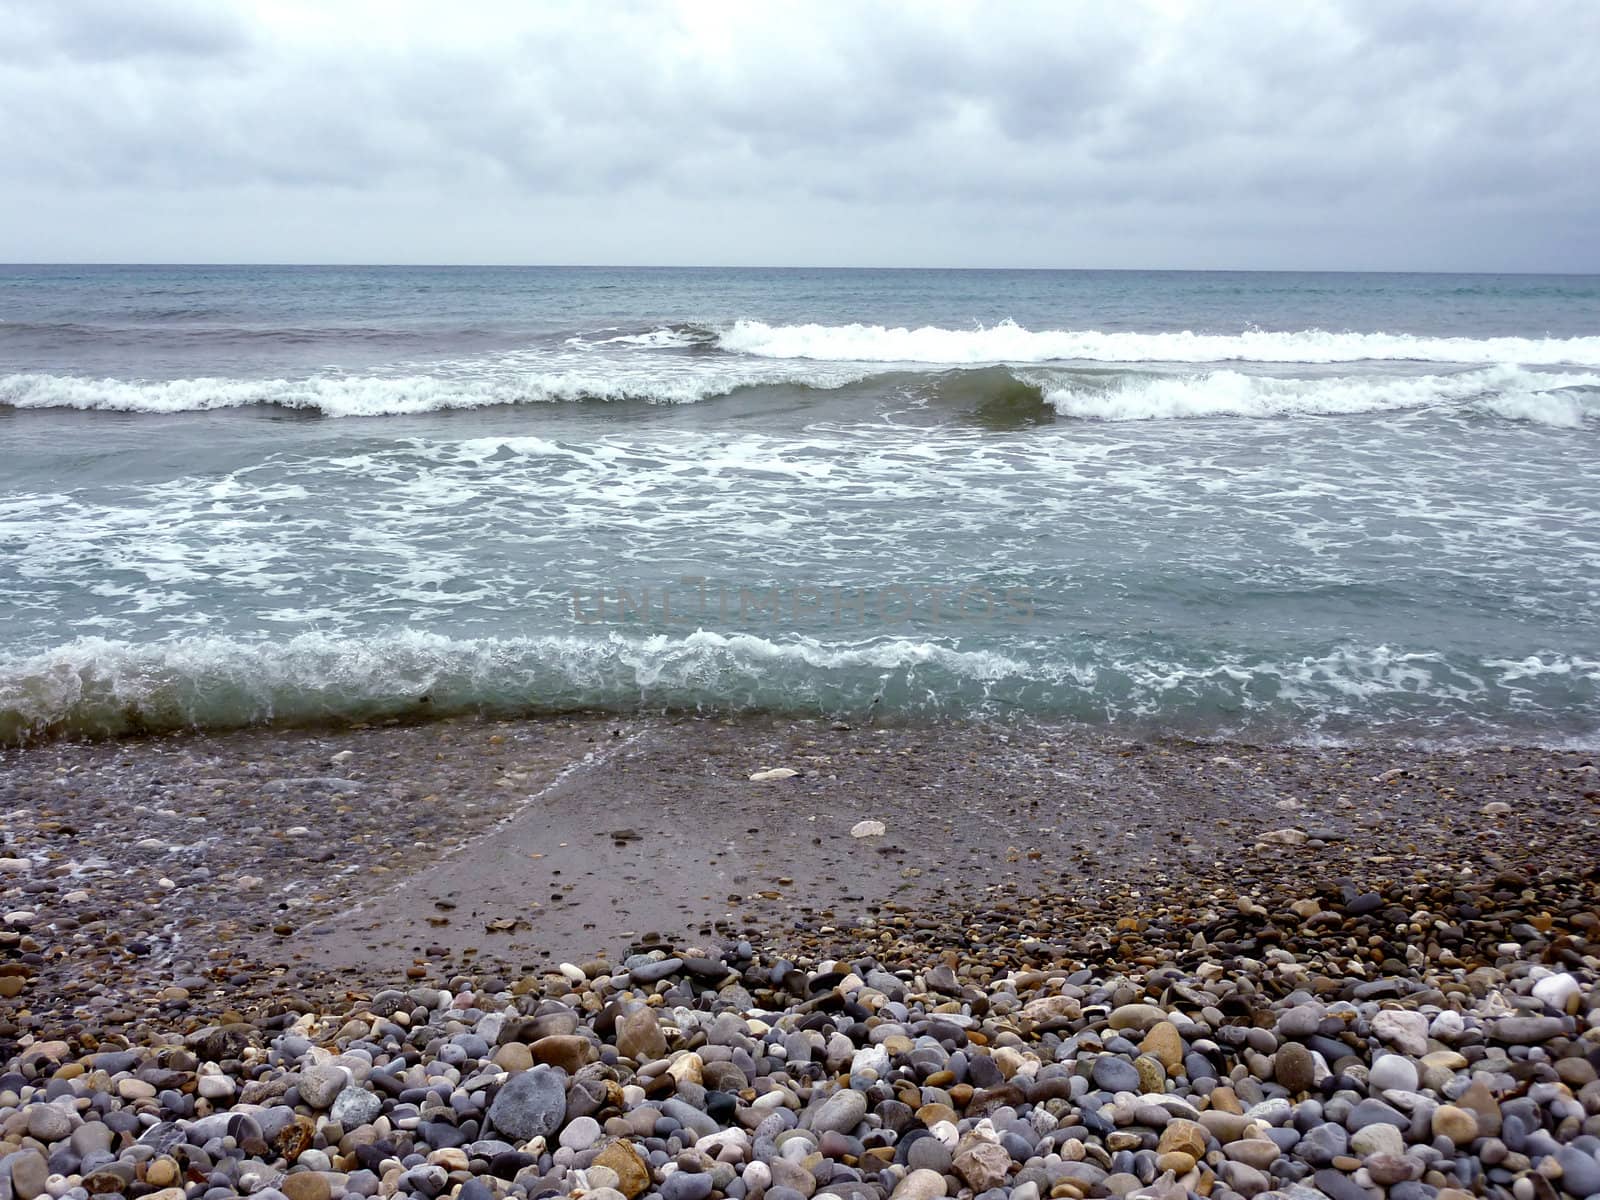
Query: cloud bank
{"points": [[1425, 135]]}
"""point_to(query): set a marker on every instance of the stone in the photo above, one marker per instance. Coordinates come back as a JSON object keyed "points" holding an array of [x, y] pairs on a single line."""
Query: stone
{"points": [[1387, 1169], [633, 1177], [582, 1133], [1322, 1144], [1163, 1043], [305, 1185], [1406, 1031], [1480, 1101], [639, 1036], [1183, 1136], [1175, 1161], [682, 1185], [1142, 1017], [569, 1052], [1050, 1009], [1558, 990], [320, 1084], [1392, 1072], [354, 1107], [920, 1185], [982, 1164], [1460, 1125], [1377, 1139], [1294, 1067], [1580, 1173], [1301, 1021], [1527, 1031], [28, 1172], [513, 1057], [772, 774], [530, 1104], [840, 1112], [48, 1123], [868, 829], [1257, 1152], [1114, 1074]]}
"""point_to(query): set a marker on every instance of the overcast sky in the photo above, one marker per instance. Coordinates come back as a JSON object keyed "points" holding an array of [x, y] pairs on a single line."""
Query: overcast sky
{"points": [[1446, 135]]}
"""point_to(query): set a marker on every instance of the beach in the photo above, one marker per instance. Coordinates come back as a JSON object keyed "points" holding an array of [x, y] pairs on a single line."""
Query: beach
{"points": [[265, 922], [760, 734]]}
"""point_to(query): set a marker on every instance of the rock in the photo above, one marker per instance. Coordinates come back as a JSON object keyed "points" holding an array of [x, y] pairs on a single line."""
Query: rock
{"points": [[1183, 1136], [1164, 1044], [1285, 837], [920, 1185], [1048, 1009], [1301, 1021], [1527, 1031], [569, 1052], [319, 1085], [305, 1185], [1558, 990], [1580, 1173], [27, 1170], [639, 1036], [1388, 1169], [982, 1164], [1404, 1030], [48, 1123], [1480, 1101], [1377, 1139], [1114, 1074], [1257, 1152], [681, 1185], [1142, 1017], [582, 1133], [1392, 1072], [1294, 1067], [839, 1113], [633, 1177], [530, 1104], [1322, 1144], [866, 829], [1460, 1125], [791, 1175], [773, 773], [355, 1106]]}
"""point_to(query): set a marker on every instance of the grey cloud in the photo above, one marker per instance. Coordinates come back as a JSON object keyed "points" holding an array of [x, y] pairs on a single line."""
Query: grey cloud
{"points": [[1322, 132]]}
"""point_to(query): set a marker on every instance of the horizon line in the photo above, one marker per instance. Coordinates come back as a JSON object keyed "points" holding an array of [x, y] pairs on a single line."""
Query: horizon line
{"points": [[521, 266]]}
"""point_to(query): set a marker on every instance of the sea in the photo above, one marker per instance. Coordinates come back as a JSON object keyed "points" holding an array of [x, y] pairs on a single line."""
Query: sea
{"points": [[1275, 507]]}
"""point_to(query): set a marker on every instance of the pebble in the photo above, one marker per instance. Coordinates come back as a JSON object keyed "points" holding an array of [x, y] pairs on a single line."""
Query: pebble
{"points": [[531, 1103]]}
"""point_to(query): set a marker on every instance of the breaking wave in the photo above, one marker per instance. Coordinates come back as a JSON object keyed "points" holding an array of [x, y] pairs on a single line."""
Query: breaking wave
{"points": [[1008, 342], [1563, 400], [375, 396], [94, 687]]}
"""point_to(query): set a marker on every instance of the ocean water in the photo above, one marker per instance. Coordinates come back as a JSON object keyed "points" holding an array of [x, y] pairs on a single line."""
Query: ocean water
{"points": [[1271, 506]]}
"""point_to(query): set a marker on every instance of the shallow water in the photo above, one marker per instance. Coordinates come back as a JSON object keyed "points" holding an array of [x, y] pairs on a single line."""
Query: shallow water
{"points": [[1265, 505]]}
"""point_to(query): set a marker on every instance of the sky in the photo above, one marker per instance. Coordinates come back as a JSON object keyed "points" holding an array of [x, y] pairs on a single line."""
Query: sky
{"points": [[1328, 134]]}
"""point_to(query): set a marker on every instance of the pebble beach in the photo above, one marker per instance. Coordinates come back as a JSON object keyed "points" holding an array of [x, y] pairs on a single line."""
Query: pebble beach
{"points": [[910, 961]]}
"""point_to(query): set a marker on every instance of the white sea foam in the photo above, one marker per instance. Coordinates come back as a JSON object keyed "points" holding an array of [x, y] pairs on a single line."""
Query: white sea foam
{"points": [[1008, 342], [397, 395], [1504, 391], [96, 686]]}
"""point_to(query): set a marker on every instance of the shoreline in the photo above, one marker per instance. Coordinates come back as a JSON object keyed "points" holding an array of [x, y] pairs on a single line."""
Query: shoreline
{"points": [[239, 922], [310, 851]]}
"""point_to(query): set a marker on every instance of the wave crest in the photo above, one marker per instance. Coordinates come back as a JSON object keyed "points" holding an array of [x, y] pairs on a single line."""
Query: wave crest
{"points": [[94, 687], [1561, 400], [1009, 342]]}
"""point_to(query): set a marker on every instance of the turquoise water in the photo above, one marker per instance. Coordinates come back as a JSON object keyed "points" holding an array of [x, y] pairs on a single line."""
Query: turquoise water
{"points": [[1277, 506]]}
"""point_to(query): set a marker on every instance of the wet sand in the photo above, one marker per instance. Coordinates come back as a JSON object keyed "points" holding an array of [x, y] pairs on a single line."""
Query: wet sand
{"points": [[251, 867]]}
